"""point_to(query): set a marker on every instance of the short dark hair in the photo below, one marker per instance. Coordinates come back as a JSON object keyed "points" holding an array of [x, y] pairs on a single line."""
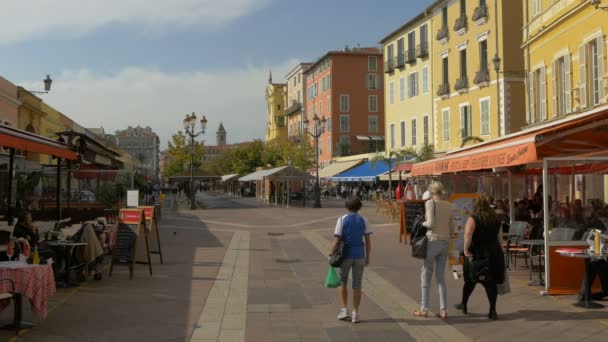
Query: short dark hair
{"points": [[353, 204]]}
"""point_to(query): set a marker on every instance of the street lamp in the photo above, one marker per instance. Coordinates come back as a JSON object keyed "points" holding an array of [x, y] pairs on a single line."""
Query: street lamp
{"points": [[47, 86], [192, 132], [317, 130]]}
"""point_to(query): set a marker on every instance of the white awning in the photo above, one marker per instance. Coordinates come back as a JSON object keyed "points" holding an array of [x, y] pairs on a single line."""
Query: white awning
{"points": [[337, 168], [229, 177], [395, 176], [367, 138]]}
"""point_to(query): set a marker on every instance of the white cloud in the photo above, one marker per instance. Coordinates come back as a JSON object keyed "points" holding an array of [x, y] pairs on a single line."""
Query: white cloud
{"points": [[136, 96], [29, 19]]}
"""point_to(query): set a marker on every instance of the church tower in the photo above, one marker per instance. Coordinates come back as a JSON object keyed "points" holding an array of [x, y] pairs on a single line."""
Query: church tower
{"points": [[220, 135]]}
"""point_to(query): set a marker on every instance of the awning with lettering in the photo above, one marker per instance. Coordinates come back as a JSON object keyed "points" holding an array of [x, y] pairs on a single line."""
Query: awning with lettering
{"points": [[568, 136]]}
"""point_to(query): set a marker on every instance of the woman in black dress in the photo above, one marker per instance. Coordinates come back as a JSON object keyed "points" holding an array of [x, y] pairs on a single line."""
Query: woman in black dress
{"points": [[482, 241]]}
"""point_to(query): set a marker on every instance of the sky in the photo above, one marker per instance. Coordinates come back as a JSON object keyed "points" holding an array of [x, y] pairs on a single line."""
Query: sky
{"points": [[120, 63]]}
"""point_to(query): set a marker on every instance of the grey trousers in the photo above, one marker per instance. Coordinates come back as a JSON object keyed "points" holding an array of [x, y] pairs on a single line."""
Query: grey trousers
{"points": [[436, 259]]}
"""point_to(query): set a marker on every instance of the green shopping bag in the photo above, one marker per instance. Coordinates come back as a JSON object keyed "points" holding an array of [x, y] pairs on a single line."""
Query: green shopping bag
{"points": [[332, 280]]}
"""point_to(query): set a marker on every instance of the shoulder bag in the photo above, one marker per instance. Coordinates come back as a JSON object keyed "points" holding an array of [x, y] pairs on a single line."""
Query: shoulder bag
{"points": [[336, 258], [418, 239]]}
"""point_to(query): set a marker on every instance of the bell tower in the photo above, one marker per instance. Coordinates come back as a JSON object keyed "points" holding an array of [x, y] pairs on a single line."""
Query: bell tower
{"points": [[220, 135]]}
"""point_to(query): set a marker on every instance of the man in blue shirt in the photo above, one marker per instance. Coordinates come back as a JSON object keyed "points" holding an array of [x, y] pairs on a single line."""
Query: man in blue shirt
{"points": [[352, 228]]}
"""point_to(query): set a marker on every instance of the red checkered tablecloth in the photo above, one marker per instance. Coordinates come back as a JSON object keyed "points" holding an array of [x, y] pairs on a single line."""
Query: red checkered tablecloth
{"points": [[36, 282]]}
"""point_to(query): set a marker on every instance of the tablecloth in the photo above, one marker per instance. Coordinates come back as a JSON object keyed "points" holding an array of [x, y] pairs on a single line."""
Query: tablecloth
{"points": [[36, 282]]}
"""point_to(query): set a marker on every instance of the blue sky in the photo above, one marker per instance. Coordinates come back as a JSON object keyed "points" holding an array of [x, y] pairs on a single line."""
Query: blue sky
{"points": [[121, 63]]}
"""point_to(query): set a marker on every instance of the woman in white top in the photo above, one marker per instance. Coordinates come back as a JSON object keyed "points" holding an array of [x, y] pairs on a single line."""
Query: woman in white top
{"points": [[439, 215]]}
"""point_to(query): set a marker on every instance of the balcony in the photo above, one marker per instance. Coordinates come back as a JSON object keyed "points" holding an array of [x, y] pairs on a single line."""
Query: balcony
{"points": [[389, 65], [443, 35], [400, 60], [444, 90], [410, 56], [461, 24], [480, 15], [422, 50], [462, 84], [482, 77]]}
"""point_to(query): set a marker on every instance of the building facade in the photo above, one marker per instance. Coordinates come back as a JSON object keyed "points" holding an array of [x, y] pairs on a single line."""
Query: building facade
{"points": [[472, 100], [565, 52], [296, 97], [408, 94], [9, 103], [276, 124], [346, 87], [143, 144]]}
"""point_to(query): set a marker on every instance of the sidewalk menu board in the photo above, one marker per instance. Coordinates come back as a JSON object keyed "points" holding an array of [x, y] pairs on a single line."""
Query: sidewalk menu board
{"points": [[409, 211], [130, 225], [151, 216]]}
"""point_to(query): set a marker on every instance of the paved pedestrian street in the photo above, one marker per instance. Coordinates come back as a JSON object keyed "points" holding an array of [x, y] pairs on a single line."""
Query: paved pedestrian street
{"points": [[238, 271]]}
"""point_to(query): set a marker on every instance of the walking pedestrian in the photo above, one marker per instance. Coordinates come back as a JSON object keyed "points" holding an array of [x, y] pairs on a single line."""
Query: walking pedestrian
{"points": [[352, 228], [439, 215], [483, 241]]}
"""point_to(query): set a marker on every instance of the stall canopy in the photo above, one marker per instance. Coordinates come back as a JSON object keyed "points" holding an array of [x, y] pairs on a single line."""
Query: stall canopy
{"points": [[574, 135], [229, 177], [337, 168], [367, 172], [26, 141], [282, 172]]}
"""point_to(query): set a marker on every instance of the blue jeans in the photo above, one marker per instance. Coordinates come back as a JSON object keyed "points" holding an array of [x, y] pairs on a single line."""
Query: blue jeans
{"points": [[436, 258]]}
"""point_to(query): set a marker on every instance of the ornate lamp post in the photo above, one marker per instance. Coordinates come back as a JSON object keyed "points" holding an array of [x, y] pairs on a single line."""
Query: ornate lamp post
{"points": [[317, 129], [47, 86], [192, 132]]}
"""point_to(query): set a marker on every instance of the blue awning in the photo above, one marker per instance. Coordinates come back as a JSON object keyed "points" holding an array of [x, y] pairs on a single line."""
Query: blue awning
{"points": [[363, 173]]}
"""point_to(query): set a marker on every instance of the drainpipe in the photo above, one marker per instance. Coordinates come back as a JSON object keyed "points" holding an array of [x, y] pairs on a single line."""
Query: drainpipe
{"points": [[528, 119], [498, 102]]}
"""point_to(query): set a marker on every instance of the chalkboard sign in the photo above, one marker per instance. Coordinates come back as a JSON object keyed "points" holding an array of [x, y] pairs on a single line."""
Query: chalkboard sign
{"points": [[131, 223], [151, 215], [409, 211]]}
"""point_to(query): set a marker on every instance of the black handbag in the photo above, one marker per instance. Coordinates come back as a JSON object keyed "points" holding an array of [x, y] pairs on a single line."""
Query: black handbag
{"points": [[477, 270], [418, 239], [336, 258]]}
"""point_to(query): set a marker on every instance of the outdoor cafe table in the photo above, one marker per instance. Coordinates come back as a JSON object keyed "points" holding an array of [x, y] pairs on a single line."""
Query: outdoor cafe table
{"points": [[587, 303], [532, 243], [68, 247], [36, 282]]}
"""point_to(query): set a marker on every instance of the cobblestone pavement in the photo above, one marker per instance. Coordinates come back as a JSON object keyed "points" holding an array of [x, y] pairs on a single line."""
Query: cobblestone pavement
{"points": [[238, 271]]}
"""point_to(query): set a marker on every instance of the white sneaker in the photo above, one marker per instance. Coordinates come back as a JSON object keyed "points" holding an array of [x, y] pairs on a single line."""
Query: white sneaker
{"points": [[355, 317], [343, 315]]}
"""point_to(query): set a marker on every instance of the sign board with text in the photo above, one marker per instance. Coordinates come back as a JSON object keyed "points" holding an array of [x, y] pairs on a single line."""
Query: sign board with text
{"points": [[131, 222], [132, 198], [151, 217]]}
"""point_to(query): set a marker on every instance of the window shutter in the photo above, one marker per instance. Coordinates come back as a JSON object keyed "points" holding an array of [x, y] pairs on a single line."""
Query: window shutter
{"points": [[543, 94], [469, 121], [531, 97], [462, 122], [583, 76], [567, 83], [554, 85], [600, 66]]}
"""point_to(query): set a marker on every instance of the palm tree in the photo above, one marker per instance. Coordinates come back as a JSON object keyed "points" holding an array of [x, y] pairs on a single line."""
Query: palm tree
{"points": [[470, 139], [380, 157]]}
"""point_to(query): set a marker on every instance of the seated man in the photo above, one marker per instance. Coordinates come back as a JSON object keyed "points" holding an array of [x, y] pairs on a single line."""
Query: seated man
{"points": [[597, 268], [24, 228]]}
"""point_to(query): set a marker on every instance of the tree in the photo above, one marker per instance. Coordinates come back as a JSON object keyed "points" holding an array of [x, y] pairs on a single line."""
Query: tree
{"points": [[425, 152], [179, 151], [389, 159], [470, 139]]}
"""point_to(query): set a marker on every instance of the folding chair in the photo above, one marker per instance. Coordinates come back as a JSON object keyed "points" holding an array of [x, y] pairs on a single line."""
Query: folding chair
{"points": [[11, 295]]}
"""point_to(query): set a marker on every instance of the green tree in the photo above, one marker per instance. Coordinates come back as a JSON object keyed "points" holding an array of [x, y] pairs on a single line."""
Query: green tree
{"points": [[470, 139], [179, 151], [390, 159]]}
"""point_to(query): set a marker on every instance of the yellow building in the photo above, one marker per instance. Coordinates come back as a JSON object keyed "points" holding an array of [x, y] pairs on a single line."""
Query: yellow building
{"points": [[276, 125], [408, 85], [565, 49], [469, 35]]}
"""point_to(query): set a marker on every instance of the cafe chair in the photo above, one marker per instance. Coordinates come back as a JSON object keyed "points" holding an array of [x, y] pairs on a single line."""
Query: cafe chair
{"points": [[562, 234], [517, 231], [8, 296]]}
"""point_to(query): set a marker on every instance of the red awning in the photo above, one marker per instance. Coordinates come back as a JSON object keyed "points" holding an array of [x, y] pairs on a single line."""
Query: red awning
{"points": [[574, 135], [30, 142], [403, 167]]}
